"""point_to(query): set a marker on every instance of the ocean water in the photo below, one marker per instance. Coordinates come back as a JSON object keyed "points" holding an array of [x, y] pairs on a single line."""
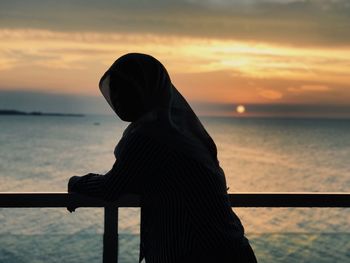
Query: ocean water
{"points": [[261, 155]]}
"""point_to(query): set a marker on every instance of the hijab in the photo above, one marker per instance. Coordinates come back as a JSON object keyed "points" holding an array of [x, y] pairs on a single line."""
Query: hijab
{"points": [[139, 90]]}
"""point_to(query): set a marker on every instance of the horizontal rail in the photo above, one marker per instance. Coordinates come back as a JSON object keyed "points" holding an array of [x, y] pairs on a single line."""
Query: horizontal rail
{"points": [[110, 238], [275, 199]]}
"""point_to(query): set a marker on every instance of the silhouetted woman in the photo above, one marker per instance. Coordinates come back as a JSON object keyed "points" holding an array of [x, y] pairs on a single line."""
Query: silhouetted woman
{"points": [[168, 159]]}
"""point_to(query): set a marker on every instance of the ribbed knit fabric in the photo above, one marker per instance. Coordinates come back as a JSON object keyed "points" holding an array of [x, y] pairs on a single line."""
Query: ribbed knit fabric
{"points": [[185, 210]]}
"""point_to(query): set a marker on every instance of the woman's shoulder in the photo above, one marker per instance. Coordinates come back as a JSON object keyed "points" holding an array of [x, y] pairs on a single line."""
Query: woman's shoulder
{"points": [[140, 140]]}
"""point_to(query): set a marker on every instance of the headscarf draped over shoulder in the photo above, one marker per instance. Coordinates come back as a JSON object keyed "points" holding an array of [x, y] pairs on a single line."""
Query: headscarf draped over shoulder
{"points": [[138, 88]]}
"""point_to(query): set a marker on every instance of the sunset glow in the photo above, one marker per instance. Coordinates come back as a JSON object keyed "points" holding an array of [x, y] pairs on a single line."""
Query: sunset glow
{"points": [[213, 66], [73, 62]]}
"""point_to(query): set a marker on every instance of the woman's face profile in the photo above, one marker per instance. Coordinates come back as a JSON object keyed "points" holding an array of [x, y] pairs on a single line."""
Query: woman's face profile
{"points": [[126, 100]]}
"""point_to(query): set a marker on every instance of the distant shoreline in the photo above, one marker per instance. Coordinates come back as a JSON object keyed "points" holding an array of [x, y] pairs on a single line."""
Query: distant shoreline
{"points": [[237, 117], [39, 113]]}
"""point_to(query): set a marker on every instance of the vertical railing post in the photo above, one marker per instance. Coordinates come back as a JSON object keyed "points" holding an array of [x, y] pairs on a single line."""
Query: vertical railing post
{"points": [[110, 236]]}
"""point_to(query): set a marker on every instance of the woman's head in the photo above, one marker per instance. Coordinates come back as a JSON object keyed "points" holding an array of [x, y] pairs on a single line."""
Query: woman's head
{"points": [[136, 84]]}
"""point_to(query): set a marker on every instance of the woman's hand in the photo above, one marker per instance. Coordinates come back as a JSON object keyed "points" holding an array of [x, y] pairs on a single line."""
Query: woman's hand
{"points": [[82, 185], [71, 183]]}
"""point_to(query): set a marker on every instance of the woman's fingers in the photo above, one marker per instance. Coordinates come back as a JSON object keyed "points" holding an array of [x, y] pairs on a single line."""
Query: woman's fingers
{"points": [[71, 209], [71, 206]]}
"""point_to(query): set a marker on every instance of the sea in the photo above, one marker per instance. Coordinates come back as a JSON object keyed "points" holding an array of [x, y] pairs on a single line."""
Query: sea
{"points": [[40, 154]]}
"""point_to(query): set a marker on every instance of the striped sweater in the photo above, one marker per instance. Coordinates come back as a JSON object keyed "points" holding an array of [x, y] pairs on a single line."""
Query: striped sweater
{"points": [[185, 210]]}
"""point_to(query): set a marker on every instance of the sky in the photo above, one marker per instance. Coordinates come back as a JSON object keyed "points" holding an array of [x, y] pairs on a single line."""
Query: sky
{"points": [[276, 57]]}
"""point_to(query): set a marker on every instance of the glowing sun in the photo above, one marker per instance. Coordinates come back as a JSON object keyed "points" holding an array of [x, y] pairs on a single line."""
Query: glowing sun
{"points": [[240, 109]]}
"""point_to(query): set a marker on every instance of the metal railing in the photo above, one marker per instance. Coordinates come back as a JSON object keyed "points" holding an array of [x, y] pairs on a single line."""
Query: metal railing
{"points": [[110, 238]]}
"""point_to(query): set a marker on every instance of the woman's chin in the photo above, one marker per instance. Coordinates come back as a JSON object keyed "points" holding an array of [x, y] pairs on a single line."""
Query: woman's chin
{"points": [[127, 117]]}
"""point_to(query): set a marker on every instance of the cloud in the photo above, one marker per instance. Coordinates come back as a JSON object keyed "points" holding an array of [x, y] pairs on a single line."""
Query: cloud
{"points": [[309, 88], [312, 22], [7, 63], [242, 3], [209, 70], [315, 88], [270, 94]]}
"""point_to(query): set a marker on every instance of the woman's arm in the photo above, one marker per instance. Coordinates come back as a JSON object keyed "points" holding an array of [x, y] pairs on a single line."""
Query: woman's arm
{"points": [[138, 159]]}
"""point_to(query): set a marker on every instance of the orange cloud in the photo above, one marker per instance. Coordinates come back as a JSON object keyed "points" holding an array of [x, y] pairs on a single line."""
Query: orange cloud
{"points": [[270, 94], [307, 88], [215, 70]]}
